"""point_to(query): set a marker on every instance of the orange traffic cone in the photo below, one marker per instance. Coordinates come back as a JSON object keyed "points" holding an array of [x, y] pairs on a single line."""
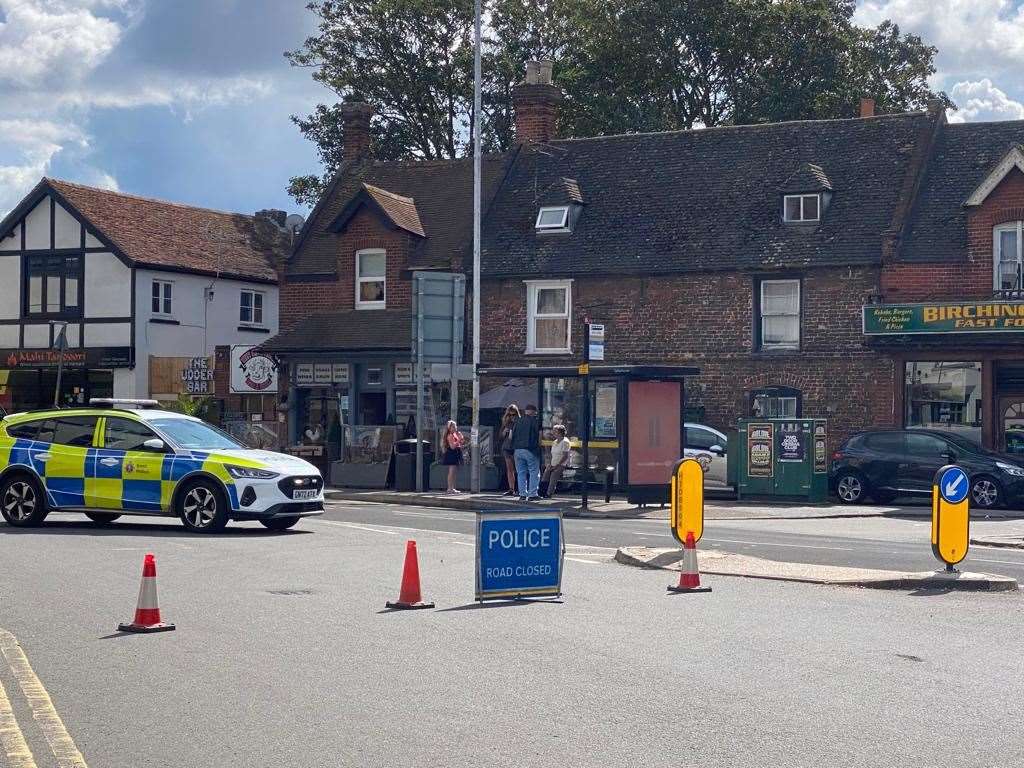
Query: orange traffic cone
{"points": [[689, 577], [147, 612], [409, 596]]}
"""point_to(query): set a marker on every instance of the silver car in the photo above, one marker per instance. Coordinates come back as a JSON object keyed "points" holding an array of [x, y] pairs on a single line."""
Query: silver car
{"points": [[708, 446]]}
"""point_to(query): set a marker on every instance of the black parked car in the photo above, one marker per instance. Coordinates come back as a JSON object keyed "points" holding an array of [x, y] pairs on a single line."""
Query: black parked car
{"points": [[903, 462]]}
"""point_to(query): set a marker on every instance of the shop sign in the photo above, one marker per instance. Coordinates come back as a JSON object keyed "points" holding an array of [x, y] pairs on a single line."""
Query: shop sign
{"points": [[760, 449], [304, 375], [252, 370], [197, 376], [89, 357], [339, 373], [820, 448], [791, 441], [322, 373], [181, 375], [403, 373], [948, 317]]}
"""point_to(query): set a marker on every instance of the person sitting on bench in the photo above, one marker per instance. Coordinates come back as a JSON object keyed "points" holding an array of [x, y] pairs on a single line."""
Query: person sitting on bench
{"points": [[559, 460]]}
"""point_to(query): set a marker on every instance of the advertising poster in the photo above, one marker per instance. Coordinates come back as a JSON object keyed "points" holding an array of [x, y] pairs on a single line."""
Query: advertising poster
{"points": [[792, 441], [655, 409], [820, 448], [760, 449]]}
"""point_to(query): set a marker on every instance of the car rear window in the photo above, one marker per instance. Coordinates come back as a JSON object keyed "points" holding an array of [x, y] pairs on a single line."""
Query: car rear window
{"points": [[75, 431]]}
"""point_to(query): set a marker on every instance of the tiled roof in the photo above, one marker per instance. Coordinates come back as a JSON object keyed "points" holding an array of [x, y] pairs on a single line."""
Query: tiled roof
{"points": [[704, 199], [400, 211], [807, 178], [349, 330], [561, 192], [159, 234], [442, 193], [962, 158]]}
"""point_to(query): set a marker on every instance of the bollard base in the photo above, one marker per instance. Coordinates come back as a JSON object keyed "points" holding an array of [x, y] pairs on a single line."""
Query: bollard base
{"points": [[684, 590], [396, 606]]}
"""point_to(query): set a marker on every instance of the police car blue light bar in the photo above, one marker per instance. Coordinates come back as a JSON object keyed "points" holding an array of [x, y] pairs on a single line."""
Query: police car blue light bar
{"points": [[122, 402]]}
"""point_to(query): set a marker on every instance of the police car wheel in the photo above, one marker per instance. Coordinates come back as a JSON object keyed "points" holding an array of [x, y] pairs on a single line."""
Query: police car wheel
{"points": [[22, 502], [202, 507], [102, 518], [279, 523]]}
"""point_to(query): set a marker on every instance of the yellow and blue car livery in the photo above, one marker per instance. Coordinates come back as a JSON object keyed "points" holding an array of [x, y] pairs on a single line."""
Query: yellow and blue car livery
{"points": [[112, 461]]}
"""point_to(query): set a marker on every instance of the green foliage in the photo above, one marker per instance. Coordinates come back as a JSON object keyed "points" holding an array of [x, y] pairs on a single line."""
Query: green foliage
{"points": [[624, 65], [191, 405]]}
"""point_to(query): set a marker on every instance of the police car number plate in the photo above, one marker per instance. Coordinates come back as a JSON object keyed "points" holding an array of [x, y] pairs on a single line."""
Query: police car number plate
{"points": [[306, 493]]}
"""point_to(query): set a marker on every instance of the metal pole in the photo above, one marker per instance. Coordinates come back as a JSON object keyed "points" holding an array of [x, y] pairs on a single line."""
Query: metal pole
{"points": [[477, 117], [418, 378], [61, 343], [584, 490]]}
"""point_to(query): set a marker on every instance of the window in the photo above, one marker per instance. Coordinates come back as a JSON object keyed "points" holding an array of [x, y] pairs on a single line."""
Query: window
{"points": [[703, 439], [26, 431], [943, 394], [926, 446], [371, 268], [553, 219], [885, 442], [779, 307], [1008, 261], [251, 310], [75, 431], [162, 290], [126, 435], [776, 403], [801, 208], [54, 285], [548, 312]]}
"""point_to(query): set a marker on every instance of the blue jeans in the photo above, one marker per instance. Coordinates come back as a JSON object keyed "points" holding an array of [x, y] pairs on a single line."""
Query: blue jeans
{"points": [[527, 471]]}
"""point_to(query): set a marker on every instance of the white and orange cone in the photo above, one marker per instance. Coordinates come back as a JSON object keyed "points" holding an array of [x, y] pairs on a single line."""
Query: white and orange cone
{"points": [[689, 576], [147, 612]]}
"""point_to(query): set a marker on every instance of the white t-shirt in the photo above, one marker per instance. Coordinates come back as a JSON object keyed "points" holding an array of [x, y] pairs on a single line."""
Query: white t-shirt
{"points": [[559, 449]]}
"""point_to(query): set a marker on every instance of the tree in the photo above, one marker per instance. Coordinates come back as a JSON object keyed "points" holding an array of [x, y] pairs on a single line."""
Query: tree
{"points": [[624, 65]]}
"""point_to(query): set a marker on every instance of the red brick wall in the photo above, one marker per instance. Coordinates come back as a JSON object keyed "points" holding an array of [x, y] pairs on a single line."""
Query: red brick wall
{"points": [[365, 230], [903, 282], [707, 320]]}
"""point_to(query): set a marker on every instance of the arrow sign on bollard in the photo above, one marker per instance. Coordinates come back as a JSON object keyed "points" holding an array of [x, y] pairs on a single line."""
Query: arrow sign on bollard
{"points": [[954, 485], [951, 519]]}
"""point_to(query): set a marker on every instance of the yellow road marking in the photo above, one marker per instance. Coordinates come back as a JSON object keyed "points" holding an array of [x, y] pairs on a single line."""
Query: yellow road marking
{"points": [[56, 735], [11, 738]]}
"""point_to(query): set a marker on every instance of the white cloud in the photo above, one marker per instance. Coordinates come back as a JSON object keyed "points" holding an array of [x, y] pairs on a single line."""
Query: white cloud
{"points": [[59, 64], [977, 38], [981, 100]]}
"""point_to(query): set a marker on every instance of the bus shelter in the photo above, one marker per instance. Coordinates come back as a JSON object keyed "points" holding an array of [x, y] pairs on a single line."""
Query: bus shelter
{"points": [[626, 418]]}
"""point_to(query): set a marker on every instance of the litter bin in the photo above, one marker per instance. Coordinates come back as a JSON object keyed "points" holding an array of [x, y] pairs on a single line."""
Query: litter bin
{"points": [[782, 459], [405, 464]]}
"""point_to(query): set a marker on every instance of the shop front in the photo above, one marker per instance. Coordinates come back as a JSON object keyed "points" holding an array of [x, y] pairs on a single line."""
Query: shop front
{"points": [[959, 366], [28, 378]]}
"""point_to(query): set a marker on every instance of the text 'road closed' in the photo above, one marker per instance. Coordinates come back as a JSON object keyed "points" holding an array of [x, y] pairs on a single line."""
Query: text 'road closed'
{"points": [[519, 554]]}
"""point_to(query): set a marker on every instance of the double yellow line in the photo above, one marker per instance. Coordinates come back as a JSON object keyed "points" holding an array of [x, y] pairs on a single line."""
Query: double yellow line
{"points": [[12, 739]]}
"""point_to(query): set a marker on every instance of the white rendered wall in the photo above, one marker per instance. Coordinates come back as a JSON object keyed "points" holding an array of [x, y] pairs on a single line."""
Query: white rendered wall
{"points": [[10, 287], [107, 286]]}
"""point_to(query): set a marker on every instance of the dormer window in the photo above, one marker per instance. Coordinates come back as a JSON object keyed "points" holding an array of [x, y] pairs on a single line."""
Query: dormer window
{"points": [[553, 218], [801, 208]]}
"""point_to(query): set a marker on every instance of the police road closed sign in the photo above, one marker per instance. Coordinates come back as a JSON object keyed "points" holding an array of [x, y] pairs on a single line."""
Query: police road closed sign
{"points": [[519, 554]]}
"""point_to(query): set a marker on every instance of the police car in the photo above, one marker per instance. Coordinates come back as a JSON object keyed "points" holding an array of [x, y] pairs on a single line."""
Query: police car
{"points": [[122, 457]]}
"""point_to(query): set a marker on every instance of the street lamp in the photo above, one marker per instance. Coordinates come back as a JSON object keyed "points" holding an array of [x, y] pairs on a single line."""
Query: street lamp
{"points": [[474, 439]]}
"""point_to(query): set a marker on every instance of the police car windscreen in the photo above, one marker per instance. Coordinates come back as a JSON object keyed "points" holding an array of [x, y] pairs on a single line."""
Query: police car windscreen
{"points": [[195, 434]]}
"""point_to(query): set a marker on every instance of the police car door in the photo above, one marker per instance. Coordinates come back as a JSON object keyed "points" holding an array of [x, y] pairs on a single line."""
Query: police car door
{"points": [[133, 471], [67, 458]]}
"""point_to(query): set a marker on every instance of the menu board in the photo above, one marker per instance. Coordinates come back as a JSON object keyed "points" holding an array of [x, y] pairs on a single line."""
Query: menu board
{"points": [[820, 448]]}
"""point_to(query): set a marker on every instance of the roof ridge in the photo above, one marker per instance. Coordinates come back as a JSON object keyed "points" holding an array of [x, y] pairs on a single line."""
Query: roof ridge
{"points": [[389, 193], [745, 127], [118, 193]]}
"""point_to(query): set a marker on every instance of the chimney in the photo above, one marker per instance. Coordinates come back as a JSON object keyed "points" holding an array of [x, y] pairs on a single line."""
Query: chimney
{"points": [[355, 118], [536, 102], [867, 107]]}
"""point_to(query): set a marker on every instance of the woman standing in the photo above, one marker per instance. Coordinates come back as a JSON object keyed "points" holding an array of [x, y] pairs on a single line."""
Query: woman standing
{"points": [[452, 444], [508, 420]]}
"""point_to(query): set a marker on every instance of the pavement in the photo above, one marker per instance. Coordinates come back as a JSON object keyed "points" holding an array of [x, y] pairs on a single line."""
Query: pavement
{"points": [[729, 564], [284, 657]]}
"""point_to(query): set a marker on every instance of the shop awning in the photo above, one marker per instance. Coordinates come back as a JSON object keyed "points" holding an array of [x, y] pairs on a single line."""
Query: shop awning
{"points": [[646, 372]]}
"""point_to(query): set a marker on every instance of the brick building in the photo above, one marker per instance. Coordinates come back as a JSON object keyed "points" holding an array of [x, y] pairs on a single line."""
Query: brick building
{"points": [[834, 268], [346, 322], [761, 254]]}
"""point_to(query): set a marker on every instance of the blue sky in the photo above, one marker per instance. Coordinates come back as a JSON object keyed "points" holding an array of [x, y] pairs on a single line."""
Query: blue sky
{"points": [[189, 100]]}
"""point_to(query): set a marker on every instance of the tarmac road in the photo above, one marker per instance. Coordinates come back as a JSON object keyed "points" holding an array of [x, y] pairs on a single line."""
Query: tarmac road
{"points": [[865, 542], [283, 657]]}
